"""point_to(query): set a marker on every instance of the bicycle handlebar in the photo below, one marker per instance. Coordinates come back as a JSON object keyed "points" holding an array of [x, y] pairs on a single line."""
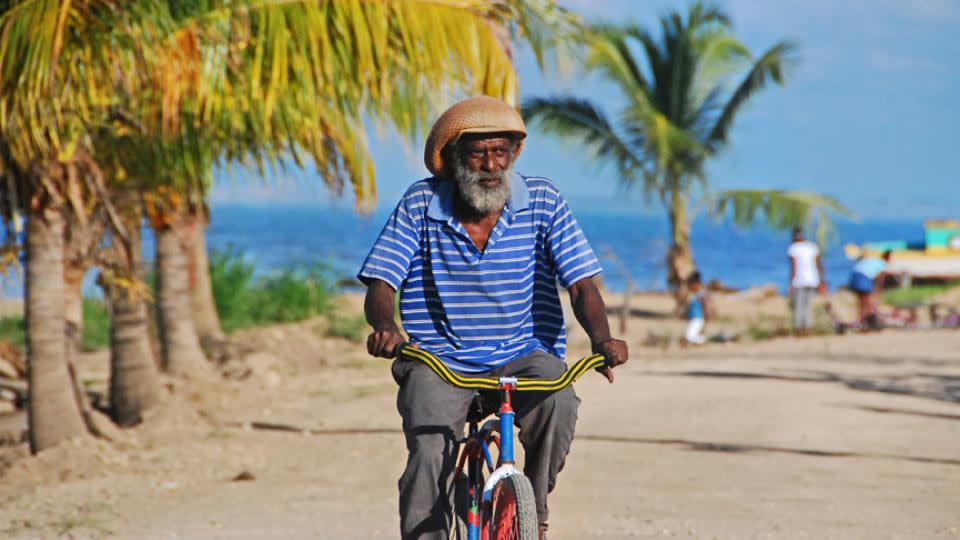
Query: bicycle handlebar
{"points": [[469, 382]]}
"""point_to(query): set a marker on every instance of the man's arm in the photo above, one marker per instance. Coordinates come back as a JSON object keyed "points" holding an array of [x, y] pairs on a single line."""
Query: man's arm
{"points": [[591, 313], [378, 307]]}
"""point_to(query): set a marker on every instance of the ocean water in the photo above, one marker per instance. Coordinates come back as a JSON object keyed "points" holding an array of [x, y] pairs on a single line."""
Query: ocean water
{"points": [[634, 246], [277, 236]]}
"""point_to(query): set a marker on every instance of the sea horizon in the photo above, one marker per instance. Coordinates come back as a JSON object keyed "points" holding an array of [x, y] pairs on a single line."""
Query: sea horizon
{"points": [[278, 236]]}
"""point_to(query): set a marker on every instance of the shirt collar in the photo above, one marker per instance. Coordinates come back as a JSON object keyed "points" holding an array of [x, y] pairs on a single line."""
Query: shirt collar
{"points": [[441, 204]]}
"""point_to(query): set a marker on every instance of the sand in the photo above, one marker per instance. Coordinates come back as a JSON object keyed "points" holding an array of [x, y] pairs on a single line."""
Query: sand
{"points": [[826, 437]]}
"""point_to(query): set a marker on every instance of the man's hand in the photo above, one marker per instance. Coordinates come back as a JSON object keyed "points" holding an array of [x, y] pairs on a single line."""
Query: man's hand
{"points": [[616, 352], [384, 341], [378, 307]]}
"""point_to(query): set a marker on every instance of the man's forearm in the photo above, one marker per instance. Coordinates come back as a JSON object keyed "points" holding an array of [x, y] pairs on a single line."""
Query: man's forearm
{"points": [[378, 305], [590, 310]]}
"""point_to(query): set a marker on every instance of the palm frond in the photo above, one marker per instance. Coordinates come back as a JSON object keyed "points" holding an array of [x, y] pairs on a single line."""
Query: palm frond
{"points": [[257, 80], [704, 14], [551, 31], [658, 61], [779, 209], [770, 66], [609, 53], [583, 121]]}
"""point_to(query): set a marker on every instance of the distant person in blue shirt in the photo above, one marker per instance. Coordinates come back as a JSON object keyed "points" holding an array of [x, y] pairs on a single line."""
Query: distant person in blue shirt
{"points": [[476, 252], [865, 278], [697, 310]]}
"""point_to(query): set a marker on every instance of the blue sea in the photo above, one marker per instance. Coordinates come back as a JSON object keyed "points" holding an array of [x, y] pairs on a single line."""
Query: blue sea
{"points": [[279, 236], [275, 237]]}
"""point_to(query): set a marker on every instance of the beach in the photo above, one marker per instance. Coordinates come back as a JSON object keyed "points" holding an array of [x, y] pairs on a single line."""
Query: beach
{"points": [[206, 205], [297, 436]]}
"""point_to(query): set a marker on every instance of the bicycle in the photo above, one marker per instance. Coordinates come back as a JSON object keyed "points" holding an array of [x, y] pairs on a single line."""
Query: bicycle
{"points": [[502, 507]]}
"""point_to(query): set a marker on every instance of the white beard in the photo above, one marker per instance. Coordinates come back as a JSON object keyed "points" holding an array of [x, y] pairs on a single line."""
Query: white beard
{"points": [[480, 199]]}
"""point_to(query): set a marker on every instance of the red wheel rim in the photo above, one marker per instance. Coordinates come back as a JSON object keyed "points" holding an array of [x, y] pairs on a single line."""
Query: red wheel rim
{"points": [[505, 513]]}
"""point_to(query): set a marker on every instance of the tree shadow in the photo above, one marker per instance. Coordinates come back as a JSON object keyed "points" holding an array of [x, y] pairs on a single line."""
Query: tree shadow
{"points": [[706, 446], [908, 412], [853, 358], [933, 386], [641, 313]]}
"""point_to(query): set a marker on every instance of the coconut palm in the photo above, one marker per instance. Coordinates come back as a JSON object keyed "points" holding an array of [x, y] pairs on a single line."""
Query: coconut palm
{"points": [[52, 58], [312, 116], [134, 385], [683, 91], [252, 79]]}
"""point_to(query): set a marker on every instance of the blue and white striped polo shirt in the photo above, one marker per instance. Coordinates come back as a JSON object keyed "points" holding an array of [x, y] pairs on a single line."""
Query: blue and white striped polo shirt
{"points": [[480, 309]]}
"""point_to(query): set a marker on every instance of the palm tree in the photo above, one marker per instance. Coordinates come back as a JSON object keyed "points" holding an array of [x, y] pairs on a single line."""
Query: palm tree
{"points": [[680, 108], [251, 79], [395, 67], [134, 385], [52, 61]]}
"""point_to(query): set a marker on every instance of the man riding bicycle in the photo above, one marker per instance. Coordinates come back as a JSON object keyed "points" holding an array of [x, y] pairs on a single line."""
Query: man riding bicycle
{"points": [[476, 252]]}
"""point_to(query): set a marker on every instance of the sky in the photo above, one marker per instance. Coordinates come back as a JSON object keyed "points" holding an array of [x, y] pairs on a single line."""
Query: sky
{"points": [[869, 114]]}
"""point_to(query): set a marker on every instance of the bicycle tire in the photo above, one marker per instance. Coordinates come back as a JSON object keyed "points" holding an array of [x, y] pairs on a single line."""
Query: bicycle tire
{"points": [[514, 510]]}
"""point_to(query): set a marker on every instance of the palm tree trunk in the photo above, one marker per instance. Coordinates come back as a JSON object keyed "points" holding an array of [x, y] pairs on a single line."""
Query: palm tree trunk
{"points": [[179, 345], [134, 383], [73, 301], [680, 257], [53, 414], [205, 316]]}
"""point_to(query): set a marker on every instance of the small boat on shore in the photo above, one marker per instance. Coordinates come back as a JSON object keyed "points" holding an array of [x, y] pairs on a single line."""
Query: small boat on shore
{"points": [[936, 259]]}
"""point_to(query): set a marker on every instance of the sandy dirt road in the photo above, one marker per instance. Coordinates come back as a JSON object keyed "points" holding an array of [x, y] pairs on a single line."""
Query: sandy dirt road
{"points": [[852, 437]]}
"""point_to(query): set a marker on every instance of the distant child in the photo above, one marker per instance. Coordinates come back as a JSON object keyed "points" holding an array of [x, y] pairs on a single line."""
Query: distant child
{"points": [[696, 310], [866, 277]]}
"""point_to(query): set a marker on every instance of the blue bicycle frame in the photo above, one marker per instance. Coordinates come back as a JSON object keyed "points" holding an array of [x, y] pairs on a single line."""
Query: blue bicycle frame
{"points": [[480, 501]]}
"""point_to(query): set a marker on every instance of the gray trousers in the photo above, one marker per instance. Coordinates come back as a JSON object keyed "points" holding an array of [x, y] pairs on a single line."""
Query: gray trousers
{"points": [[803, 307], [434, 414]]}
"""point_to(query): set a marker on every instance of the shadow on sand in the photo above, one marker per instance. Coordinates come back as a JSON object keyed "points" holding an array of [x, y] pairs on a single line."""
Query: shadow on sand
{"points": [[704, 446], [934, 386], [908, 412], [700, 446]]}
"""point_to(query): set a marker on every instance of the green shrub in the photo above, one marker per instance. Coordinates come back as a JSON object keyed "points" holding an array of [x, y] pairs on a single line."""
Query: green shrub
{"points": [[232, 281], [294, 294], [245, 300], [13, 328], [914, 295], [760, 333], [96, 325]]}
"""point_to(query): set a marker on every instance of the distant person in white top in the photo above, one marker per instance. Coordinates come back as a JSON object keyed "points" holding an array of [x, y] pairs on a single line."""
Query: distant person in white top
{"points": [[806, 271]]}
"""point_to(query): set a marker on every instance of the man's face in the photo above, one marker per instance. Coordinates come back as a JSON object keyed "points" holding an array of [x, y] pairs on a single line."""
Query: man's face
{"points": [[487, 155], [483, 172]]}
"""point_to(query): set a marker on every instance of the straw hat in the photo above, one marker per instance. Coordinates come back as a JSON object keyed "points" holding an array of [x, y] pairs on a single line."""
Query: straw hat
{"points": [[482, 114]]}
